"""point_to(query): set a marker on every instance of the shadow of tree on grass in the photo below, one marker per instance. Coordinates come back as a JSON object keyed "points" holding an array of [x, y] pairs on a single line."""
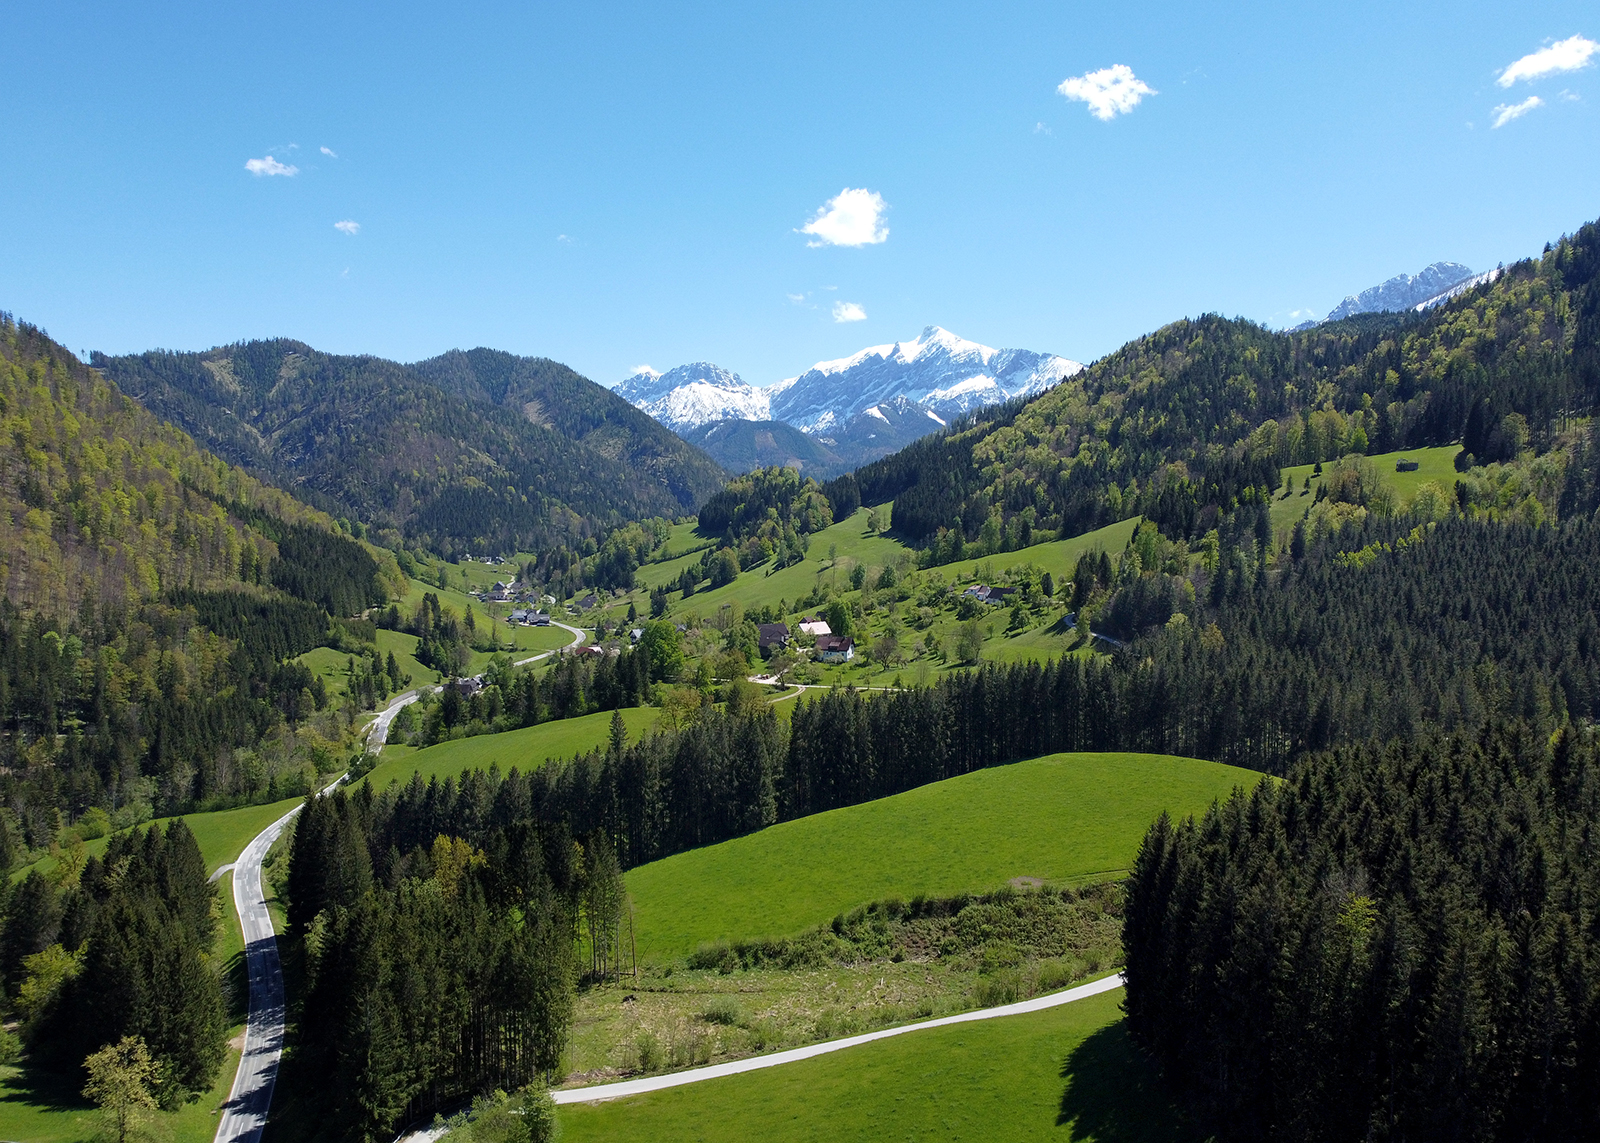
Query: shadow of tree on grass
{"points": [[36, 1086], [1114, 1094]]}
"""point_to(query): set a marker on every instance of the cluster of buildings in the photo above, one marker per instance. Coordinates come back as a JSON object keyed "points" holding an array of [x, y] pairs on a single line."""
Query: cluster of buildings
{"points": [[527, 613], [828, 648]]}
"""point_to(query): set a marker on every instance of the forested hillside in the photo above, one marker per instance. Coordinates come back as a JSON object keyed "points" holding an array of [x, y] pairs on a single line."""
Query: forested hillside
{"points": [[1176, 425], [470, 452], [153, 596], [1397, 944]]}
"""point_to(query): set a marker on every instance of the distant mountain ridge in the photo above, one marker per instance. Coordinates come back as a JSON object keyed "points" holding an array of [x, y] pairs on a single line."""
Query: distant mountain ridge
{"points": [[861, 407], [478, 451], [945, 374], [1433, 286]]}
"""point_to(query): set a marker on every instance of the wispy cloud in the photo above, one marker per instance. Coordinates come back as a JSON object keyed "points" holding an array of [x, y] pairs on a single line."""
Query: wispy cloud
{"points": [[797, 299], [1041, 129], [1109, 92], [1563, 55], [270, 166], [329, 151], [348, 227], [848, 311], [564, 239], [638, 369], [1505, 112], [849, 218]]}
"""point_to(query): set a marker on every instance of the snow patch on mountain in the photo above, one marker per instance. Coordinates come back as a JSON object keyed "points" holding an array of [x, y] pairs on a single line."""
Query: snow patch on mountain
{"points": [[694, 395], [1404, 291], [947, 374]]}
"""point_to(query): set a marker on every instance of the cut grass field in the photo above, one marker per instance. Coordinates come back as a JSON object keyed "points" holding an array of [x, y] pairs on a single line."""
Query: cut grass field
{"points": [[1067, 1073], [1063, 817], [524, 749]]}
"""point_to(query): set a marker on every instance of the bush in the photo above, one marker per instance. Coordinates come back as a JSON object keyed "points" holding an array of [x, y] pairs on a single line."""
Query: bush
{"points": [[723, 1010]]}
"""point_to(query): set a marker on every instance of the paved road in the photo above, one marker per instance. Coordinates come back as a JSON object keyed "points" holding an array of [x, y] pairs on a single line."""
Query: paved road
{"points": [[244, 1116], [604, 1091], [378, 733]]}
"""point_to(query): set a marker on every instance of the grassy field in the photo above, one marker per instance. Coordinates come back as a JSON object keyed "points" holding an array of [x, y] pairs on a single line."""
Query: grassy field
{"points": [[1068, 1073], [523, 749], [222, 834], [1058, 818], [1436, 464]]}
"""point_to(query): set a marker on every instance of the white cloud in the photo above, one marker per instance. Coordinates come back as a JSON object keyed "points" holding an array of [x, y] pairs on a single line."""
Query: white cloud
{"points": [[850, 218], [562, 238], [348, 227], [329, 151], [848, 311], [795, 298], [1563, 55], [270, 166], [1109, 92], [1505, 113], [638, 369], [1041, 129]]}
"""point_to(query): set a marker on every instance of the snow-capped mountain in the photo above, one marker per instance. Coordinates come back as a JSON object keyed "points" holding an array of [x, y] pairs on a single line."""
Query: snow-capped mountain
{"points": [[1404, 291], [694, 395], [860, 407], [945, 374]]}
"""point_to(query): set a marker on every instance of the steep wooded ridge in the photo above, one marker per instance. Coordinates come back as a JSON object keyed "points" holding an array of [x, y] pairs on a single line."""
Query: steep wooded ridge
{"points": [[469, 452], [1177, 424], [152, 597]]}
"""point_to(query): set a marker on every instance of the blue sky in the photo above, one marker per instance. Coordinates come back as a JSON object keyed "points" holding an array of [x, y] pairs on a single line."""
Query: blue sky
{"points": [[626, 185]]}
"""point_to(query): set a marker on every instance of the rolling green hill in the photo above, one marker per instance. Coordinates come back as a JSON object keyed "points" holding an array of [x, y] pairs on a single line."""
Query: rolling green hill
{"points": [[1060, 818], [476, 451]]}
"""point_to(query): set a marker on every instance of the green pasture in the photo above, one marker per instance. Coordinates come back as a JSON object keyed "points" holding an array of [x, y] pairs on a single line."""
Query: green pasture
{"points": [[1062, 817], [761, 586], [524, 749], [1436, 464], [221, 834], [1068, 1073]]}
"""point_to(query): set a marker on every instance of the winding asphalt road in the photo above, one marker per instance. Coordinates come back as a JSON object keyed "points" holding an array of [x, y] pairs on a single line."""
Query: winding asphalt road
{"points": [[244, 1115]]}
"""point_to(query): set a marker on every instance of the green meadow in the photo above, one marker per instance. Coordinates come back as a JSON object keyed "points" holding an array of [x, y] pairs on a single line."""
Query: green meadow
{"points": [[1437, 464], [524, 749], [1068, 1073], [221, 834], [1063, 817]]}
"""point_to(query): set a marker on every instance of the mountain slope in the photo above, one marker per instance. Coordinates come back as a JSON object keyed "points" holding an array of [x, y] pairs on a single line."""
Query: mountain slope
{"points": [[744, 446], [1182, 424], [153, 599], [550, 394], [446, 470]]}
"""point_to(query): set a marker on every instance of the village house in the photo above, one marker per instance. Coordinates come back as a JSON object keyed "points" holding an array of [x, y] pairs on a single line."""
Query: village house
{"points": [[772, 637], [836, 648], [809, 626]]}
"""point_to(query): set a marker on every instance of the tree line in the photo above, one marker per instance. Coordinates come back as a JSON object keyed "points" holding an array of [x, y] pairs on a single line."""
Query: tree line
{"points": [[123, 948], [438, 965]]}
